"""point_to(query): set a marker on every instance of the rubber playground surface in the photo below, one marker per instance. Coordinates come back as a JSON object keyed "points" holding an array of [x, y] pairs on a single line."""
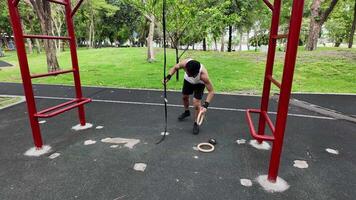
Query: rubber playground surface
{"points": [[174, 169]]}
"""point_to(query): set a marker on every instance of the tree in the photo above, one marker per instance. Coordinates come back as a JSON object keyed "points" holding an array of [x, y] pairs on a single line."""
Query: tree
{"points": [[352, 32], [339, 24], [318, 17], [149, 9], [43, 10]]}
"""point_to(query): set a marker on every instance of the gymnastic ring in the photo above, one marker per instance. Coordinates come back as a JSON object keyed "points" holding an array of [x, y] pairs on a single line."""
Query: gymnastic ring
{"points": [[200, 118], [212, 148]]}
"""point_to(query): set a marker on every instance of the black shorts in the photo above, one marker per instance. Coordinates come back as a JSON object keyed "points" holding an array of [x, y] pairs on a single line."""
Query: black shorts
{"points": [[197, 89]]}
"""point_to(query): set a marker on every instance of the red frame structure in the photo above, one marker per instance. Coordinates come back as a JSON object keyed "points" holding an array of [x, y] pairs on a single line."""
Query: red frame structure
{"points": [[285, 86], [19, 37]]}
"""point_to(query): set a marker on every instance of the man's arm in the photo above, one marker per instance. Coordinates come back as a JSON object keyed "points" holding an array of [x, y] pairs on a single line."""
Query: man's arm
{"points": [[209, 86], [176, 67]]}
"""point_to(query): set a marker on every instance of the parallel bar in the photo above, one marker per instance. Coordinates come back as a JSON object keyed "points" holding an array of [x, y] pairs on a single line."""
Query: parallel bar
{"points": [[25, 72], [52, 73], [287, 80], [281, 36], [58, 2], [76, 7], [269, 122], [270, 6], [278, 84], [252, 127], [47, 37], [15, 2], [74, 57], [42, 114]]}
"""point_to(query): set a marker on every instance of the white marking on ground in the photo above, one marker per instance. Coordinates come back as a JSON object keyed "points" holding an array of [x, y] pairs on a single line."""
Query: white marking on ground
{"points": [[99, 127], [279, 186], [140, 167], [130, 143], [263, 146], [241, 141], [114, 146], [301, 164], [15, 103], [42, 122], [177, 180], [54, 155], [162, 133], [195, 148], [196, 172], [180, 106], [196, 157], [89, 142], [246, 182], [38, 152], [332, 151], [79, 127]]}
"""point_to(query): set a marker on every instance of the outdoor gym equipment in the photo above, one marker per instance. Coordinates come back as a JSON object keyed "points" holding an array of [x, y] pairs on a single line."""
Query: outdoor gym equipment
{"points": [[285, 86], [19, 37], [277, 129]]}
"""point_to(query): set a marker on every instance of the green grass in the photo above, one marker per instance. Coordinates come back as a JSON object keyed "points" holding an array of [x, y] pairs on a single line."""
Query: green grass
{"points": [[324, 70]]}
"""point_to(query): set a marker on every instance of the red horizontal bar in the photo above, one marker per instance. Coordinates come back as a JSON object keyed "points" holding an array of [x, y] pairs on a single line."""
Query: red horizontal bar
{"points": [[280, 36], [52, 73], [48, 37], [270, 6], [274, 81], [61, 108], [76, 7], [252, 127], [58, 2]]}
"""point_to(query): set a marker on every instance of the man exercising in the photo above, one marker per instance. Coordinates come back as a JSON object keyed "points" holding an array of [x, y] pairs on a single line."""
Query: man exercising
{"points": [[196, 78]]}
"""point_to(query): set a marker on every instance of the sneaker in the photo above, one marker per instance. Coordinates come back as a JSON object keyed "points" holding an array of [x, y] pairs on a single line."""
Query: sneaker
{"points": [[184, 115], [195, 129]]}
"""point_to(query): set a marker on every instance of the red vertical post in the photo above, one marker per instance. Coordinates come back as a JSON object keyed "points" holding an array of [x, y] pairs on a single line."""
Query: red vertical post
{"points": [[25, 73], [269, 65], [286, 87], [74, 56]]}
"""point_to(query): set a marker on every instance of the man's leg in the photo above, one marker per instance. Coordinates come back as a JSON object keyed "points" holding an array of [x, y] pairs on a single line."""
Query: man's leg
{"points": [[186, 91], [186, 102], [197, 105]]}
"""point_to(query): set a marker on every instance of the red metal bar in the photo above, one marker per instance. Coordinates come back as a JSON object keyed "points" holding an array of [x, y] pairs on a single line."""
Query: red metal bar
{"points": [[61, 108], [76, 7], [25, 72], [274, 81], [270, 6], [74, 56], [15, 2], [281, 36], [52, 73], [287, 81], [62, 2], [252, 127], [269, 122], [46, 37], [269, 65]]}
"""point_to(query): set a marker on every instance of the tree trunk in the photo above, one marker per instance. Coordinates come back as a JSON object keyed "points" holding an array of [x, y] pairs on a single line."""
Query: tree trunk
{"points": [[216, 44], [229, 49], [337, 44], [241, 38], [29, 44], [248, 40], [204, 44], [193, 46], [150, 50], [317, 19], [38, 46], [43, 10], [222, 48], [352, 33]]}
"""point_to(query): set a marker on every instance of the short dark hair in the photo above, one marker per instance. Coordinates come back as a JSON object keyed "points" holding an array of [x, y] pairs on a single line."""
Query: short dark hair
{"points": [[193, 68]]}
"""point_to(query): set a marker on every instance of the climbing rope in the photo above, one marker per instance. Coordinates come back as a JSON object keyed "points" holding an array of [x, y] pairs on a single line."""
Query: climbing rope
{"points": [[164, 71]]}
